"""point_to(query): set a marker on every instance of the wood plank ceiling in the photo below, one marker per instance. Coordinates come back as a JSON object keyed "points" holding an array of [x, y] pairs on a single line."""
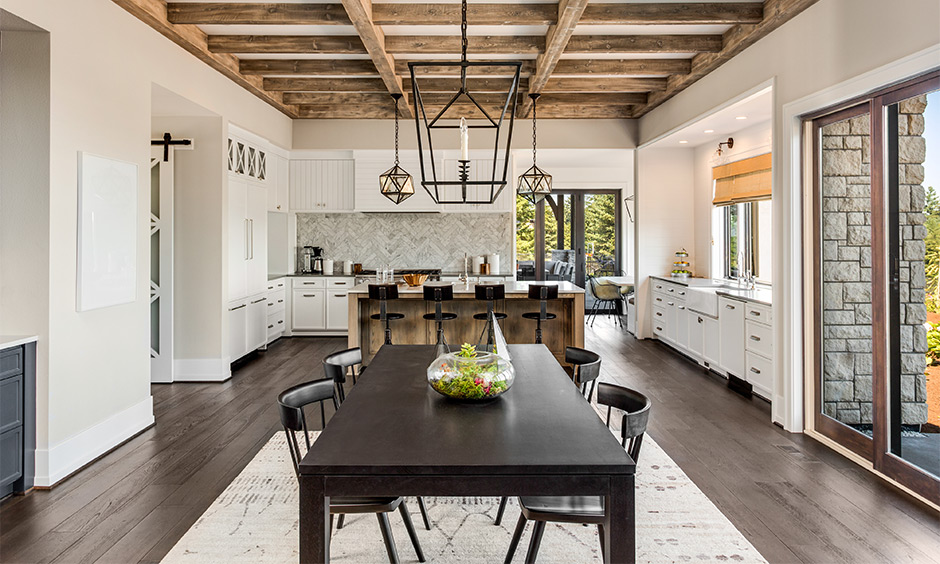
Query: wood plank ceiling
{"points": [[603, 59]]}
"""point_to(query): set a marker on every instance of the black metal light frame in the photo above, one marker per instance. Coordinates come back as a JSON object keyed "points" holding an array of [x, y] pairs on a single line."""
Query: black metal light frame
{"points": [[432, 184]]}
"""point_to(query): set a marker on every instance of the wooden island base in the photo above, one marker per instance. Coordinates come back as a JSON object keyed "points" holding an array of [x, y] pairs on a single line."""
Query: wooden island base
{"points": [[567, 330]]}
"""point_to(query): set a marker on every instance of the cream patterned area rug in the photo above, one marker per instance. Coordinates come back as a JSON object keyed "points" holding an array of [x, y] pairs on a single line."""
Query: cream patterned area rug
{"points": [[255, 521]]}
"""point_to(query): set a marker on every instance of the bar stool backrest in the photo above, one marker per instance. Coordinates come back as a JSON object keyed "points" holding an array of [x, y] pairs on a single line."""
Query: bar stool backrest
{"points": [[437, 293], [636, 414], [490, 292], [383, 291], [543, 292], [291, 403]]}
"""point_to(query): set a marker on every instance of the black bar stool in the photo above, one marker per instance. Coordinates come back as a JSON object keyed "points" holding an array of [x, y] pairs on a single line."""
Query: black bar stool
{"points": [[438, 295], [543, 293], [383, 293], [490, 293]]}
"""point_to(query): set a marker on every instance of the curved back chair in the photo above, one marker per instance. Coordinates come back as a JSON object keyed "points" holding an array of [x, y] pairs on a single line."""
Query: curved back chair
{"points": [[586, 510], [587, 367], [336, 365], [604, 294]]}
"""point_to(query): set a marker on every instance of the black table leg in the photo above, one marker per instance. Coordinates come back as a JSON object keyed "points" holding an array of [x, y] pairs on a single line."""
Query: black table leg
{"points": [[314, 521], [620, 532]]}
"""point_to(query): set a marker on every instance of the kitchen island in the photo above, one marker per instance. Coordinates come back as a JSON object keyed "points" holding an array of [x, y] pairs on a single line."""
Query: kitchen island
{"points": [[567, 330]]}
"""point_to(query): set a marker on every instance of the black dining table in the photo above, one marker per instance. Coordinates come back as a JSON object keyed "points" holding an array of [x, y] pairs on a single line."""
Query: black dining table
{"points": [[395, 436]]}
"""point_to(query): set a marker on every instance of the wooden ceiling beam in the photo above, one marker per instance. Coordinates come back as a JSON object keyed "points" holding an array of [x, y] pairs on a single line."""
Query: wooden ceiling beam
{"points": [[402, 67], [307, 67], [474, 85], [373, 38], [603, 84], [278, 84], [547, 99], [644, 44], [556, 40], [195, 41], [479, 44], [690, 13], [623, 67], [477, 14], [338, 98], [325, 44], [735, 40], [233, 13], [567, 111]]}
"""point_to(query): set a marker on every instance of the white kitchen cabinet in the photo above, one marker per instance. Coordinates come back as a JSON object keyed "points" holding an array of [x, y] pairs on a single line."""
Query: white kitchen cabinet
{"points": [[257, 272], [731, 333], [760, 374], [276, 309], [257, 328], [308, 309], [711, 342], [682, 326], [370, 164], [322, 185], [337, 309], [671, 321], [237, 329], [696, 335], [247, 238], [278, 184]]}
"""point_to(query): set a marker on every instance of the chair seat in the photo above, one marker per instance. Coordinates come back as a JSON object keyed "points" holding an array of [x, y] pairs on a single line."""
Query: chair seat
{"points": [[537, 315], [444, 316], [345, 505], [388, 315], [564, 509], [484, 316]]}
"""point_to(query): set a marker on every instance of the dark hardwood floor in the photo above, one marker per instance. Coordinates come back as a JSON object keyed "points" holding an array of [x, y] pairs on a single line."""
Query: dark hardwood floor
{"points": [[794, 499]]}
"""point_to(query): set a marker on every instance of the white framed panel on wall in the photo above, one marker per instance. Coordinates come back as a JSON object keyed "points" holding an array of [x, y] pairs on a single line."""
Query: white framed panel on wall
{"points": [[107, 232]]}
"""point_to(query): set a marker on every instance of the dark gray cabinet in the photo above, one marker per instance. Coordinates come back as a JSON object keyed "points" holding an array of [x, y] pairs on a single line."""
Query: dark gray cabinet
{"points": [[17, 418]]}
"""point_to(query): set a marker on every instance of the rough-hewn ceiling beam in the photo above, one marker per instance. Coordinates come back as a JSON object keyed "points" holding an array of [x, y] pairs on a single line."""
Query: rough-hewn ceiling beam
{"points": [[735, 40], [644, 44], [278, 84], [479, 44], [556, 40], [624, 13], [604, 84], [325, 44], [365, 111], [308, 67], [402, 67], [195, 41], [373, 38], [623, 67]]}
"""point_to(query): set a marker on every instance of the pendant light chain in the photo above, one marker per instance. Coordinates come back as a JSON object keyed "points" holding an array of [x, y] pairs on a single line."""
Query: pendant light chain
{"points": [[534, 120], [463, 31], [396, 130]]}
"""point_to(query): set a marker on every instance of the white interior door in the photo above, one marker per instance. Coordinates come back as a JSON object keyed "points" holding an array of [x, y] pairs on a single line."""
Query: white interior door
{"points": [[161, 266]]}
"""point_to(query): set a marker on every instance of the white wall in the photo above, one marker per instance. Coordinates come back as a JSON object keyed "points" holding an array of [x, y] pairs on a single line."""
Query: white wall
{"points": [[665, 219], [24, 192], [827, 45], [749, 142], [103, 64]]}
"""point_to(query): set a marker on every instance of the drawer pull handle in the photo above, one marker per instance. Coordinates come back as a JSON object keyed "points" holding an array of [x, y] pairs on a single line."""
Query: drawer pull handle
{"points": [[281, 321], [339, 283], [237, 307], [755, 313], [671, 289], [339, 295], [310, 295], [681, 293], [280, 301], [755, 338], [659, 328], [270, 326], [681, 307], [658, 314], [754, 370], [659, 287], [728, 306], [671, 303], [258, 301], [699, 319], [270, 304], [659, 299]]}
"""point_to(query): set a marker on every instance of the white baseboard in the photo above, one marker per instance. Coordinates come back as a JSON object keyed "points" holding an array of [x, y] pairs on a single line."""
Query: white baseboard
{"points": [[61, 460], [201, 370]]}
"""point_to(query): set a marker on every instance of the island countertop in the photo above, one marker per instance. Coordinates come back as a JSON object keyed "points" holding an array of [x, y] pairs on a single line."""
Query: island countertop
{"points": [[513, 287]]}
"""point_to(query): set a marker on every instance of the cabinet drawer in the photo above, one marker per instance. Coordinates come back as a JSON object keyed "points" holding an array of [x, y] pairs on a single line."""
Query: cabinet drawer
{"points": [[275, 324], [276, 284], [760, 374], [307, 283], [11, 362], [340, 283], [759, 338], [758, 313], [659, 300], [659, 287], [11, 403], [659, 316], [276, 301], [11, 456]]}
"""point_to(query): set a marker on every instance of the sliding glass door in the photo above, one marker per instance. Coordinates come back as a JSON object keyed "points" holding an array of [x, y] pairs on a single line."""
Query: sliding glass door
{"points": [[876, 280]]}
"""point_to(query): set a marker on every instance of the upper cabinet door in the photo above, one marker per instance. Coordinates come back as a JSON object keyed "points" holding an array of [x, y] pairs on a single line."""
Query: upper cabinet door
{"points": [[321, 185], [369, 198]]}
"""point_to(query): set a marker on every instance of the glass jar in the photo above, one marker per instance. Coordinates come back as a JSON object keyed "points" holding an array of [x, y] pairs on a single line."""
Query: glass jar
{"points": [[471, 376]]}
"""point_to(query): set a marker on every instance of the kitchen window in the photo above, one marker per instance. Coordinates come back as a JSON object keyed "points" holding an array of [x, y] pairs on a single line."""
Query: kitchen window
{"points": [[742, 217]]}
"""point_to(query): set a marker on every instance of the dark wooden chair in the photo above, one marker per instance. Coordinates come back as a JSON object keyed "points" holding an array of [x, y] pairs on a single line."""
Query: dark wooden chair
{"points": [[543, 293], [291, 403], [439, 294], [382, 293], [489, 293], [584, 370], [336, 366], [585, 510]]}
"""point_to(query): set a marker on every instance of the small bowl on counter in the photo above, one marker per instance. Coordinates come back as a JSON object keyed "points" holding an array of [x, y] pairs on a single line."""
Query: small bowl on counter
{"points": [[415, 280]]}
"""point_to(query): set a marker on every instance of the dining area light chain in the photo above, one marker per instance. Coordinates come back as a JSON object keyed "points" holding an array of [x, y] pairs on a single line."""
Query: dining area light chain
{"points": [[535, 183], [395, 183]]}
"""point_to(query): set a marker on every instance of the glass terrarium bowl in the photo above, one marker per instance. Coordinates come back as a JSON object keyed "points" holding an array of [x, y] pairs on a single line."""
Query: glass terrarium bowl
{"points": [[481, 377]]}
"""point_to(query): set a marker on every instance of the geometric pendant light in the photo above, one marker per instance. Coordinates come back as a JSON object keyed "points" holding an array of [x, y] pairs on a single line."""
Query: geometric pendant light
{"points": [[535, 183], [395, 183]]}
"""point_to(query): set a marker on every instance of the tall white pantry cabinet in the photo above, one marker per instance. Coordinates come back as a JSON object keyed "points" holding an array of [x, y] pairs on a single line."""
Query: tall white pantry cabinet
{"points": [[247, 247]]}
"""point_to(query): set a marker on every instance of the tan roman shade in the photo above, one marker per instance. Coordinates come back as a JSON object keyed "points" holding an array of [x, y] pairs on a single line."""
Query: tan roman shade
{"points": [[747, 180]]}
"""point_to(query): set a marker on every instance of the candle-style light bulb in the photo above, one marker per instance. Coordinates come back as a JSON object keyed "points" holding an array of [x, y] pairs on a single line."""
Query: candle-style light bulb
{"points": [[464, 140]]}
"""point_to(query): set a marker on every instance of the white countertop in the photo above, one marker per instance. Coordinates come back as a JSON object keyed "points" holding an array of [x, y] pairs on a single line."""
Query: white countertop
{"points": [[760, 294], [512, 287], [10, 341]]}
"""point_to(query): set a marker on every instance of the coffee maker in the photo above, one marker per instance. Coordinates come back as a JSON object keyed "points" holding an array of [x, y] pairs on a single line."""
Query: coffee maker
{"points": [[306, 260], [317, 260]]}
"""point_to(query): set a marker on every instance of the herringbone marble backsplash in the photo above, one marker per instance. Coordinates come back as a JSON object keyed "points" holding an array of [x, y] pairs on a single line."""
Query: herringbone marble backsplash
{"points": [[408, 240]]}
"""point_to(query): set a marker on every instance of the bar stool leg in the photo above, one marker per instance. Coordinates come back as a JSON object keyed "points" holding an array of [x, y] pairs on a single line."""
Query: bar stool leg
{"points": [[538, 332], [388, 333]]}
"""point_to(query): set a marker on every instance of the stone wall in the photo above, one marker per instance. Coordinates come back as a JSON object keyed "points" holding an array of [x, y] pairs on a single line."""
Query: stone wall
{"points": [[846, 272]]}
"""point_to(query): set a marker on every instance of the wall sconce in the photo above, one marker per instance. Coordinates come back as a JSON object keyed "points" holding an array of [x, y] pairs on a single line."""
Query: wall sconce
{"points": [[729, 143]]}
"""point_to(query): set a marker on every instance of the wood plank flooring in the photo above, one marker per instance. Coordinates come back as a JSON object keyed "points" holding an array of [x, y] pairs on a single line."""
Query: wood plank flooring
{"points": [[794, 499]]}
